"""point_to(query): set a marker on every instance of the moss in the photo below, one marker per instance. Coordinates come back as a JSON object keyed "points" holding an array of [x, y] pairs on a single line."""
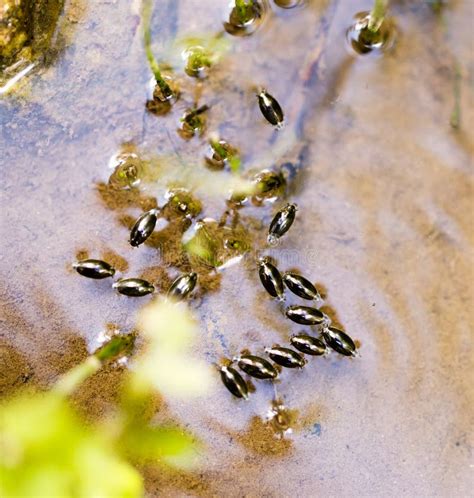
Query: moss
{"points": [[26, 28]]}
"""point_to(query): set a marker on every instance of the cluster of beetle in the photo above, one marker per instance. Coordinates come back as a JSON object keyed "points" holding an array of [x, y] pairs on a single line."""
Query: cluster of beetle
{"points": [[270, 277], [273, 282], [97, 269], [145, 224]]}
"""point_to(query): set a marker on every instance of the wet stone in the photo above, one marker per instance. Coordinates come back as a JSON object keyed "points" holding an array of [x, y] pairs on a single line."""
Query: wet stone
{"points": [[26, 30]]}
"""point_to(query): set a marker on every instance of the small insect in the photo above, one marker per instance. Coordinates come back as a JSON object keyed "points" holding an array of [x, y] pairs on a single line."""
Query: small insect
{"points": [[270, 278], [270, 109], [300, 286], [193, 122], [304, 315], [183, 285], [286, 357], [163, 91], [281, 222], [143, 227], [134, 287], [234, 382], [308, 345], [339, 341], [94, 268], [257, 367]]}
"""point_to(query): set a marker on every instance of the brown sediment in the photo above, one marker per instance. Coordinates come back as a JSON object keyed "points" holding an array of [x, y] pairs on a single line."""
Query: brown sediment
{"points": [[114, 198], [15, 371], [259, 439], [116, 260]]}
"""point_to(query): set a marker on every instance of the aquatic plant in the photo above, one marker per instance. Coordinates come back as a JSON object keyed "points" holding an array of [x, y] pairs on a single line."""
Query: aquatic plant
{"points": [[372, 30], [165, 92]]}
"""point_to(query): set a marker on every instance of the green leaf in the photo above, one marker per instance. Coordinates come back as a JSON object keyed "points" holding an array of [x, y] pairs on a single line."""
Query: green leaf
{"points": [[48, 451]]}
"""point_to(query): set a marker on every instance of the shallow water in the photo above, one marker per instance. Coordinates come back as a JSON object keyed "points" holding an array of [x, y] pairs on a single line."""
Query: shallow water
{"points": [[384, 226]]}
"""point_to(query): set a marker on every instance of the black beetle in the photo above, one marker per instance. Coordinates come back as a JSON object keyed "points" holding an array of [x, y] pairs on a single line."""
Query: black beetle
{"points": [[308, 345], [234, 382], [304, 315], [286, 357], [94, 268], [183, 285], [134, 287], [281, 222], [300, 286], [257, 367], [270, 108], [339, 341], [270, 278], [143, 227]]}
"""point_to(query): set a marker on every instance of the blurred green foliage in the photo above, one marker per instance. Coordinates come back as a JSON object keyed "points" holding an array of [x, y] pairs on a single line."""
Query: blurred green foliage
{"points": [[49, 451]]}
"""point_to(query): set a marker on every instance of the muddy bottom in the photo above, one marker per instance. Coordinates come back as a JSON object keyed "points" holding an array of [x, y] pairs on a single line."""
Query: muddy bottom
{"points": [[384, 228]]}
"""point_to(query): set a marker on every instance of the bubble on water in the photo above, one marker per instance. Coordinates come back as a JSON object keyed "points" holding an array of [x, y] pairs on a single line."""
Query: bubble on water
{"points": [[289, 4], [269, 186], [364, 40], [198, 61], [245, 20], [128, 170]]}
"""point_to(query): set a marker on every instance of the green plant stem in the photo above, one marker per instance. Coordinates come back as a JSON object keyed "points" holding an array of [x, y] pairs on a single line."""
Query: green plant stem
{"points": [[377, 14], [71, 380]]}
